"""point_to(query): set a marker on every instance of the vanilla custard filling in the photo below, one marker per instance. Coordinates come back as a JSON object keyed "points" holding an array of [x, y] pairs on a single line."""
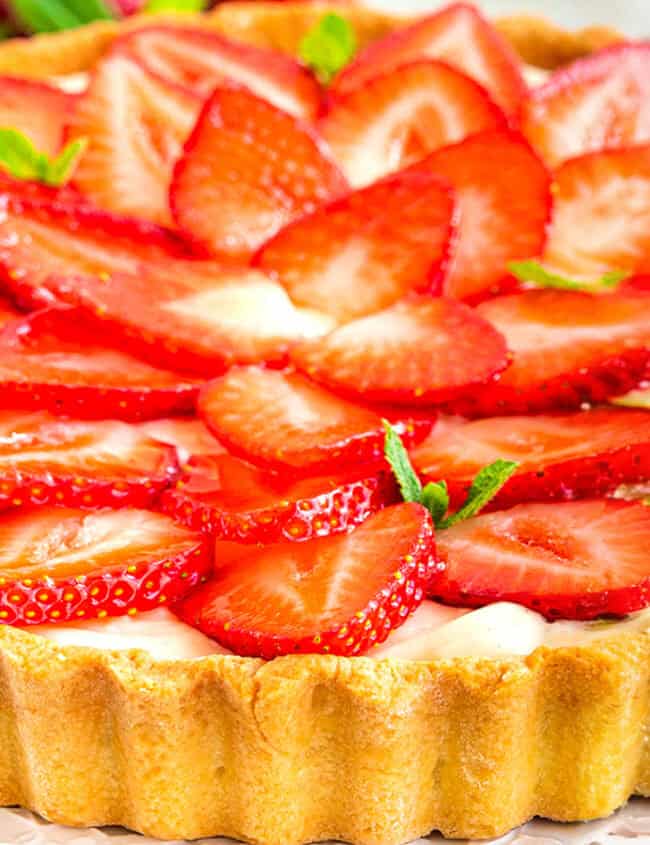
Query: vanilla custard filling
{"points": [[433, 631]]}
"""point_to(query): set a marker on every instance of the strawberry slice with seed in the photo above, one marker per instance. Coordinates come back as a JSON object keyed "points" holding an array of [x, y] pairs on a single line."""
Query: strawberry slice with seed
{"points": [[37, 110], [80, 464], [136, 125], [596, 102], [395, 119], [42, 235], [457, 35], [561, 456], [196, 323], [200, 61], [421, 351], [65, 564], [569, 348], [568, 560], [230, 499], [188, 435], [338, 594], [248, 170], [363, 252], [504, 202], [284, 422], [54, 361], [601, 217]]}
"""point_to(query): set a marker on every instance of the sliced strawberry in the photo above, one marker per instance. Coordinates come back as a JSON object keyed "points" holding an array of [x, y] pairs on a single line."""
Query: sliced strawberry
{"points": [[7, 312], [395, 119], [458, 35], [569, 348], [597, 102], [36, 109], [504, 201], [601, 217], [363, 252], [571, 560], [337, 594], [419, 352], [80, 464], [136, 124], [200, 61], [564, 456], [248, 170], [193, 322], [54, 361], [61, 564], [188, 435], [284, 422], [40, 236], [228, 498]]}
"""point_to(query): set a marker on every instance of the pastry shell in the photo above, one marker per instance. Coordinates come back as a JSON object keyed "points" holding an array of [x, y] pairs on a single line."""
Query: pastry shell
{"points": [[316, 747]]}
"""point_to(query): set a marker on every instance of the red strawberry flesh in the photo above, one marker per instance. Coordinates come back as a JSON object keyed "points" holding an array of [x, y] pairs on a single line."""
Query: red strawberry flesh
{"points": [[573, 560], [54, 361], [597, 102], [458, 35], [363, 252], [420, 351], [36, 109], [80, 464], [336, 594], [65, 564], [199, 61], [248, 170], [397, 118], [569, 348], [235, 501], [562, 456], [284, 422]]}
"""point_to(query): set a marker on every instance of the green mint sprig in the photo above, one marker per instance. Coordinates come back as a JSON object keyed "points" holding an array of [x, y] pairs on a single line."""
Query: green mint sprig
{"points": [[57, 15], [20, 158], [154, 6], [435, 497], [328, 47], [541, 277]]}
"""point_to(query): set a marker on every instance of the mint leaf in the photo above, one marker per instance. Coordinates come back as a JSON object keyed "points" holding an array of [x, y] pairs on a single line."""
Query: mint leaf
{"points": [[59, 171], [175, 6], [484, 488], [45, 15], [633, 399], [400, 463], [89, 10], [328, 47], [20, 158], [435, 499], [541, 277]]}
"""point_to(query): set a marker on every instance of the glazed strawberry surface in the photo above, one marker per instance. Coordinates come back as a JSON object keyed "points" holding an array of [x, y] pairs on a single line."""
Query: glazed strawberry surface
{"points": [[202, 333]]}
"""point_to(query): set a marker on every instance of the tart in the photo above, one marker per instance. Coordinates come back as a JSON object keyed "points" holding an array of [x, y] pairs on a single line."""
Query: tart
{"points": [[240, 351]]}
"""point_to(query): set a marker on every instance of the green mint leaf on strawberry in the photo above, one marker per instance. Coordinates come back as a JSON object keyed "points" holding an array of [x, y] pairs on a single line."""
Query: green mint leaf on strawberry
{"points": [[484, 488], [56, 15], [175, 6], [20, 158], [398, 458], [434, 497], [328, 47], [536, 274]]}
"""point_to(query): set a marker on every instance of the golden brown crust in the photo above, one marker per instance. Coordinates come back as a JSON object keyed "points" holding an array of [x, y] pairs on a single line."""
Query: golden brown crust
{"points": [[282, 26], [310, 748]]}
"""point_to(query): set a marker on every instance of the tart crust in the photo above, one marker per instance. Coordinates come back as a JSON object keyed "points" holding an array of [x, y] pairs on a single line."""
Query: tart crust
{"points": [[538, 41], [309, 748]]}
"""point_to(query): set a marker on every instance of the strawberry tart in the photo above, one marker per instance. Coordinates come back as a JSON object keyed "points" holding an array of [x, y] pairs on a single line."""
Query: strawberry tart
{"points": [[324, 424]]}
